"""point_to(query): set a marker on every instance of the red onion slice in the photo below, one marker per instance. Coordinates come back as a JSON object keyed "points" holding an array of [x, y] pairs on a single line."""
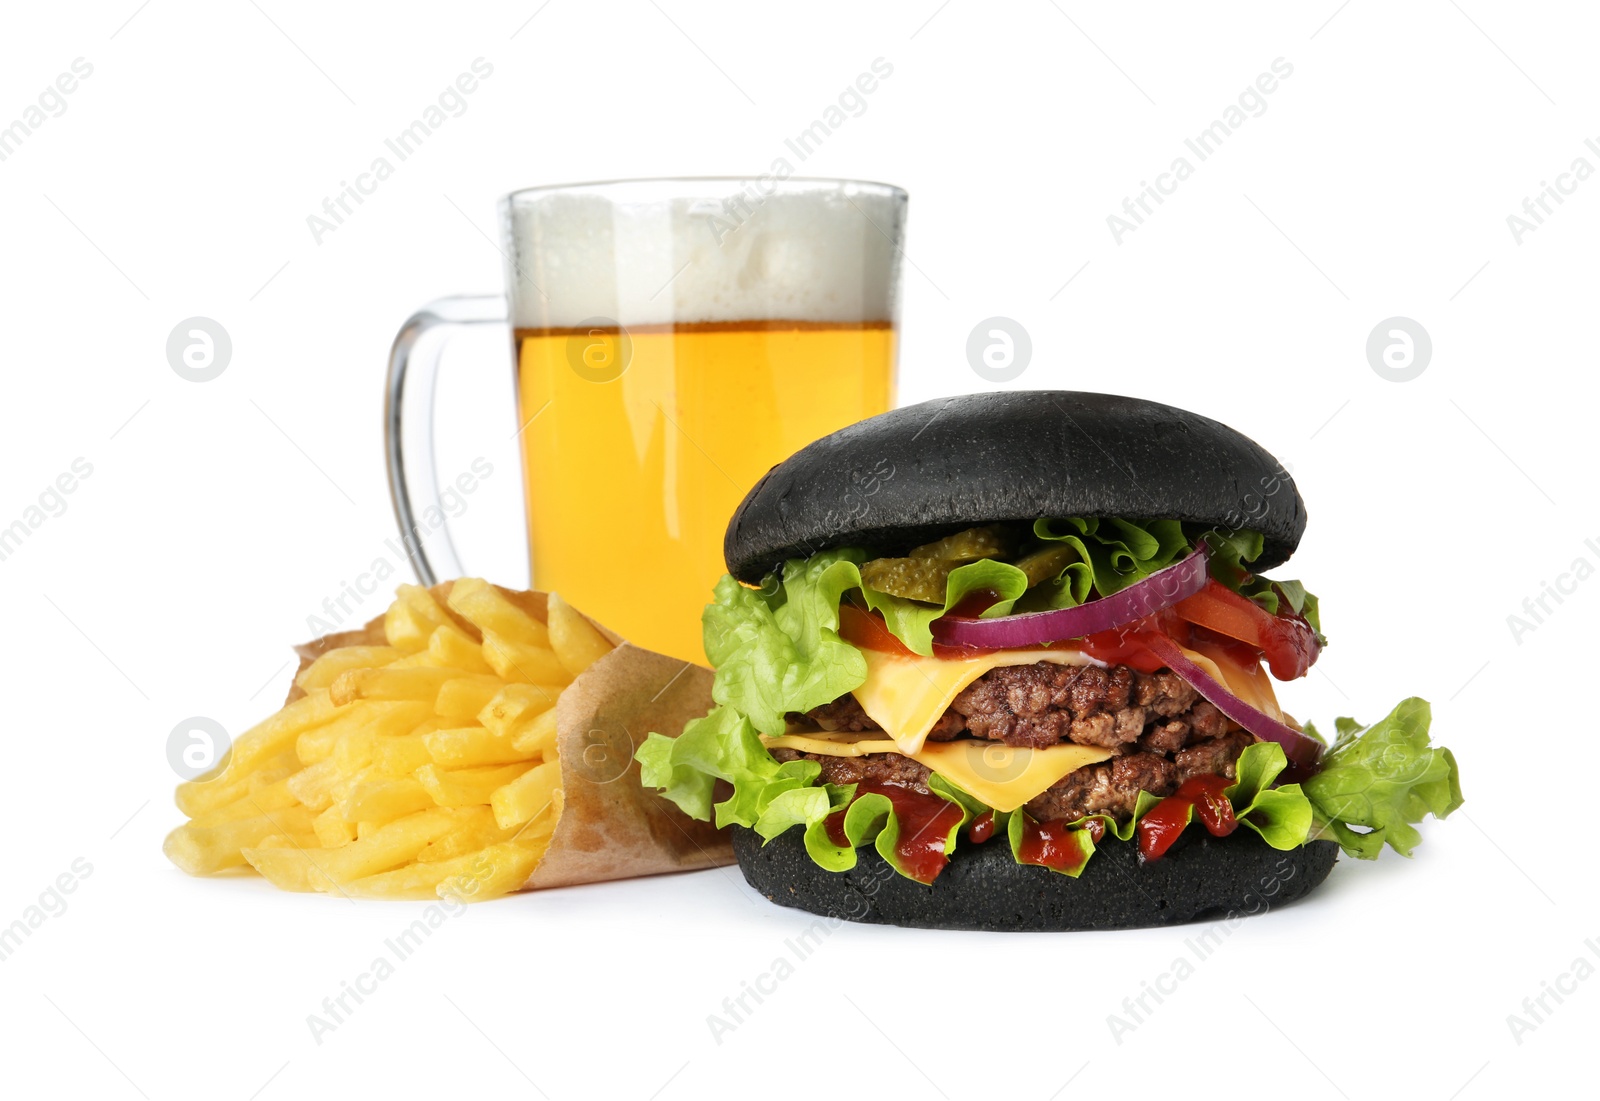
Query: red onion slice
{"points": [[1303, 752], [1161, 589]]}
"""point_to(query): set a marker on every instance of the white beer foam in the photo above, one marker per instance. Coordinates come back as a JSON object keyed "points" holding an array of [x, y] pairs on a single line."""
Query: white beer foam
{"points": [[797, 250]]}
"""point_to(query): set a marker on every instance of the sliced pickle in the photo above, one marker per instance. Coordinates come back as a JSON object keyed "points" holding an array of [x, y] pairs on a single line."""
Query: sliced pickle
{"points": [[913, 578], [1046, 564], [965, 546]]}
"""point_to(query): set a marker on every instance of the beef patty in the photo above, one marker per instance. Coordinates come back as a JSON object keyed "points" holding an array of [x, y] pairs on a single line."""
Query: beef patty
{"points": [[1160, 728]]}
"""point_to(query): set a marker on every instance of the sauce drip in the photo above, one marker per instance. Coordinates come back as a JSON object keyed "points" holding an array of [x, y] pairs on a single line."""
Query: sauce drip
{"points": [[925, 824], [1053, 845], [982, 828], [1159, 828]]}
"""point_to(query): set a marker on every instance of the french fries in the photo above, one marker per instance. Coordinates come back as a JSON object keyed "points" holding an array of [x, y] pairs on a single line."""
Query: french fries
{"points": [[425, 767]]}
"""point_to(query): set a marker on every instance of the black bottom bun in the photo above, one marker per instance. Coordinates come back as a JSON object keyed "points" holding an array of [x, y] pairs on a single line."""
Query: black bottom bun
{"points": [[1202, 878]]}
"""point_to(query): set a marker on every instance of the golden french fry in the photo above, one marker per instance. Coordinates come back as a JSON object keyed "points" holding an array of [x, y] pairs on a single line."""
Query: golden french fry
{"points": [[381, 717], [401, 755], [492, 872], [451, 648], [477, 831], [405, 630], [391, 683], [467, 787], [289, 868], [527, 796], [201, 850], [387, 846], [576, 643], [313, 785], [272, 736], [482, 605], [196, 797], [523, 664], [464, 697], [538, 736], [204, 796], [332, 830], [415, 882], [326, 669], [515, 705], [423, 603], [470, 746], [383, 800], [255, 803]]}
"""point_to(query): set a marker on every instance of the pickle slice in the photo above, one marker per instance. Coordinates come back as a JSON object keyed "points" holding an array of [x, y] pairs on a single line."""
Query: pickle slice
{"points": [[913, 578], [965, 546], [1046, 564]]}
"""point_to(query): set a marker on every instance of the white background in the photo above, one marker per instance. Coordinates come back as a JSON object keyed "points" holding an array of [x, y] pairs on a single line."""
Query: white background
{"points": [[218, 516]]}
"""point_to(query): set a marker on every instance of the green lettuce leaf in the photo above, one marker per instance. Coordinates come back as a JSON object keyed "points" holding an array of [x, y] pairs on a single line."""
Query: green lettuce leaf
{"points": [[1112, 554], [1281, 815], [724, 746], [1377, 781], [777, 649]]}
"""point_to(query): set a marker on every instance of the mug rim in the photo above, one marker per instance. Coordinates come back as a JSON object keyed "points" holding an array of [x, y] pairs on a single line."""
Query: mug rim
{"points": [[543, 190]]}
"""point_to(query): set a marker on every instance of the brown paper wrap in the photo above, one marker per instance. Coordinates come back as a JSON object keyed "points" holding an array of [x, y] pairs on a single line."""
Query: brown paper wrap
{"points": [[610, 826]]}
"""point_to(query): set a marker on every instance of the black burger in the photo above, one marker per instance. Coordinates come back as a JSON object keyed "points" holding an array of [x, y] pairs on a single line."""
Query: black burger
{"points": [[1006, 661]]}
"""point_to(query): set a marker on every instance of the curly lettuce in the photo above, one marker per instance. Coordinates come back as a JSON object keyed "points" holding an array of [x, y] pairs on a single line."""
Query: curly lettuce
{"points": [[1378, 781]]}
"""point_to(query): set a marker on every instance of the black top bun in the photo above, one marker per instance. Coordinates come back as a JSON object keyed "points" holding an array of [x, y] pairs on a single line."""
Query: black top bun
{"points": [[915, 474]]}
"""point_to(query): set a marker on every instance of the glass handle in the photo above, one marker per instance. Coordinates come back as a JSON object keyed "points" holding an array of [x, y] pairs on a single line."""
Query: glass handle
{"points": [[408, 420]]}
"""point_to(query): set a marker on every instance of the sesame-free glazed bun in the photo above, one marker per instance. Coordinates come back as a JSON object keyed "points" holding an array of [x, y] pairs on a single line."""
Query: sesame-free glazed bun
{"points": [[915, 474]]}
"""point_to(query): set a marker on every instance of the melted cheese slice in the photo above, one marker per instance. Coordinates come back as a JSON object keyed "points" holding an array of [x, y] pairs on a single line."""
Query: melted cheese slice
{"points": [[906, 694], [1002, 776], [1252, 684]]}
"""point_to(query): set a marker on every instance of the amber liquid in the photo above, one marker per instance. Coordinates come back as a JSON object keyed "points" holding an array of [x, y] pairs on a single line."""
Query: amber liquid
{"points": [[631, 477]]}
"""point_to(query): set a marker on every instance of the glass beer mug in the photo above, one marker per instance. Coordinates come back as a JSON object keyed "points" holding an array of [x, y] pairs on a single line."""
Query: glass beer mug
{"points": [[672, 340]]}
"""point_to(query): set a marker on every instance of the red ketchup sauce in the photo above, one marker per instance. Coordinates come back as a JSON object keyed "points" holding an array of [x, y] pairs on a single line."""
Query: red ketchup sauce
{"points": [[925, 824], [1052, 845], [982, 828], [1159, 828]]}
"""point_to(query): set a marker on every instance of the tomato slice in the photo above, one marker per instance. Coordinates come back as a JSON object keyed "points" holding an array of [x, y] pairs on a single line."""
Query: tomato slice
{"points": [[1287, 640]]}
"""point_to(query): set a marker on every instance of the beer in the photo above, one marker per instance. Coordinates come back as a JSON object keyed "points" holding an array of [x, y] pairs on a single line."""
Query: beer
{"points": [[631, 479], [673, 340]]}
